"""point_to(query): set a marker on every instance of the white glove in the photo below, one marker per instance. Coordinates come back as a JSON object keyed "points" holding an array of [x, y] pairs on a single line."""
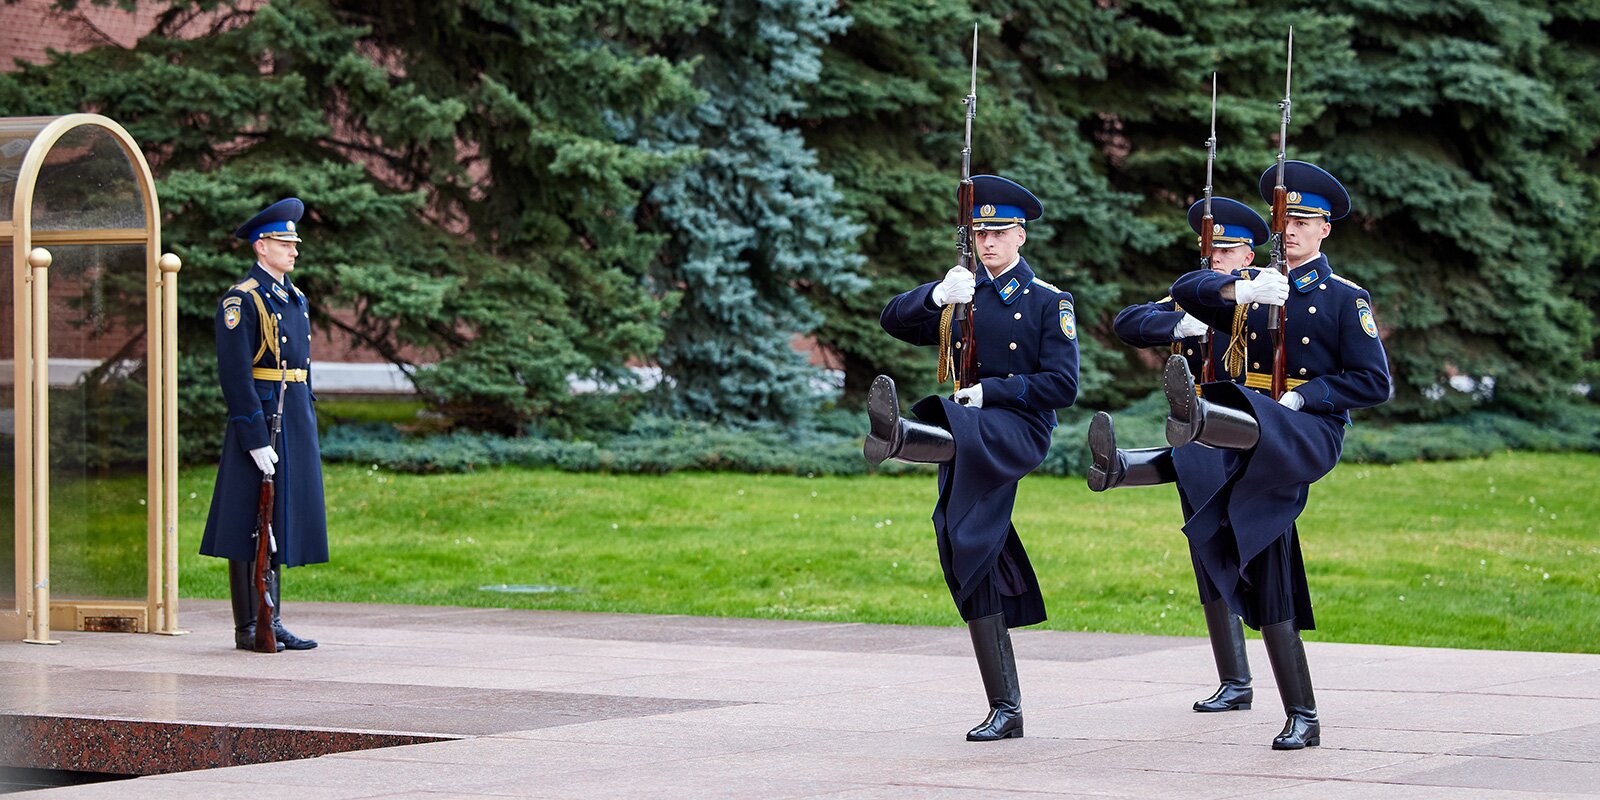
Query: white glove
{"points": [[1292, 401], [971, 397], [1189, 326], [265, 458], [1269, 288], [957, 287]]}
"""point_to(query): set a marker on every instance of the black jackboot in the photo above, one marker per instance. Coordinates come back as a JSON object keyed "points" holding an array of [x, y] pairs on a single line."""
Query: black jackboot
{"points": [[894, 437], [1192, 419], [1288, 656], [991, 641], [1146, 466], [285, 638], [1233, 667], [242, 593]]}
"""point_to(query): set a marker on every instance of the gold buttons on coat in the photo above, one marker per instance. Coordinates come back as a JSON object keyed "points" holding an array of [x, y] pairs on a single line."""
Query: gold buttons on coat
{"points": [[1302, 370], [1017, 315], [1313, 309], [1189, 352], [1255, 305], [1013, 345], [1305, 340], [1252, 336], [1323, 287], [1255, 365]]}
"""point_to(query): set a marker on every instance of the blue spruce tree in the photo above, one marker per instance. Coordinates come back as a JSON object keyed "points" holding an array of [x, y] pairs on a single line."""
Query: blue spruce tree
{"points": [[754, 225]]}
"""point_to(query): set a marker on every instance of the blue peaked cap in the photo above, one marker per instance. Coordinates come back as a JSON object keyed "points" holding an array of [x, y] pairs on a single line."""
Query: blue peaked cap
{"points": [[998, 203], [278, 221], [1232, 223], [1313, 192]]}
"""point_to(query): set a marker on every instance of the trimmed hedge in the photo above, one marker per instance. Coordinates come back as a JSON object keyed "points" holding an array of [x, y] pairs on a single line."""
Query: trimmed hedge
{"points": [[833, 444]]}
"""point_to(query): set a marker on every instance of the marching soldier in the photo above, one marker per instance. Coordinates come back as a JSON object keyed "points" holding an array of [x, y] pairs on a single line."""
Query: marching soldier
{"points": [[988, 435], [263, 330], [1243, 532], [1236, 231]]}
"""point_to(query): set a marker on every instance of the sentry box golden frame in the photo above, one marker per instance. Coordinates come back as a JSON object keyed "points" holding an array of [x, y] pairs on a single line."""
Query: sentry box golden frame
{"points": [[88, 402]]}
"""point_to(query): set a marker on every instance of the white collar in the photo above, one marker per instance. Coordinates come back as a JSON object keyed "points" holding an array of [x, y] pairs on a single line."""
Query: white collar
{"points": [[1014, 262]]}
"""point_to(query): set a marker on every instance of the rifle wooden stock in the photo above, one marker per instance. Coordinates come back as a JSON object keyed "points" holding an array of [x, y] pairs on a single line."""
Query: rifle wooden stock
{"points": [[966, 370], [1279, 317], [1208, 373], [265, 641]]}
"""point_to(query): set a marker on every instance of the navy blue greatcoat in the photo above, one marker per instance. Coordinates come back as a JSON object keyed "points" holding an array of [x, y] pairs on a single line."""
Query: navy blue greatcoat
{"points": [[1150, 325], [1244, 527], [1027, 364], [299, 521]]}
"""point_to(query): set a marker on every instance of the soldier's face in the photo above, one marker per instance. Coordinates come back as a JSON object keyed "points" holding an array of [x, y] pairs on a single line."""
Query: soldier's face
{"points": [[997, 249], [1228, 259], [1302, 238], [276, 255]]}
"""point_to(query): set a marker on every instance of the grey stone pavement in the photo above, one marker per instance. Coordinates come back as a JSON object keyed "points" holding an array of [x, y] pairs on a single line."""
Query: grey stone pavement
{"points": [[573, 705]]}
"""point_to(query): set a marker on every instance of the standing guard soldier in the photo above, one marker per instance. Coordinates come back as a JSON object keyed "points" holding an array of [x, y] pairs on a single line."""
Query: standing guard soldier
{"points": [[988, 435], [1236, 231], [263, 329], [1243, 534]]}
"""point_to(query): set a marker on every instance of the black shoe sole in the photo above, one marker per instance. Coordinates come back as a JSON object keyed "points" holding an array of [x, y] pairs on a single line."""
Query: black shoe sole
{"points": [[1103, 451], [1312, 742], [1205, 709], [883, 415], [1183, 421]]}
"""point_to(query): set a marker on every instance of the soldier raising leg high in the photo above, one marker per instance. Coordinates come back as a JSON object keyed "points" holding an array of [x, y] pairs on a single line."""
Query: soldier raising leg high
{"points": [[992, 432]]}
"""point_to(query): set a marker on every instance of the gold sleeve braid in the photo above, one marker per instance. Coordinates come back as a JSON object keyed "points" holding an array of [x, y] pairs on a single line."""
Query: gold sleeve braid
{"points": [[269, 330], [944, 342]]}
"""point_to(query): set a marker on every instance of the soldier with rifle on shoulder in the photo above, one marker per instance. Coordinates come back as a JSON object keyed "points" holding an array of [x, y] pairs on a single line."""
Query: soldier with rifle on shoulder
{"points": [[263, 329], [1011, 340], [1228, 232]]}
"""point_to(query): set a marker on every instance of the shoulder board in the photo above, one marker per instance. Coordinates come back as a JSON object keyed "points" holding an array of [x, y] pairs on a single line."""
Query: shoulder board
{"points": [[249, 284], [1346, 281], [1046, 285]]}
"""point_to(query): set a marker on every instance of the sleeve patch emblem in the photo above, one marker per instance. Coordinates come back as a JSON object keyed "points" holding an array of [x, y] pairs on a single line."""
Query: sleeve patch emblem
{"points": [[230, 317], [1069, 323], [1368, 324]]}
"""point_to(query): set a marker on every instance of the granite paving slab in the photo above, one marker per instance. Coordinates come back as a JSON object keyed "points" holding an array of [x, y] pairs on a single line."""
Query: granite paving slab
{"points": [[574, 705]]}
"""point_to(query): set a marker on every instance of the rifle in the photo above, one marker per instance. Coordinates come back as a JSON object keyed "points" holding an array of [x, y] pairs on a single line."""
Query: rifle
{"points": [[1278, 320], [266, 543], [1208, 372], [966, 239]]}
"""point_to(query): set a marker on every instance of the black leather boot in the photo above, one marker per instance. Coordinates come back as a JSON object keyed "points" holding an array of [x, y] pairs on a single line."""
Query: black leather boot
{"points": [[892, 436], [1233, 667], [1192, 419], [1288, 656], [991, 641], [242, 593], [285, 638], [1111, 467]]}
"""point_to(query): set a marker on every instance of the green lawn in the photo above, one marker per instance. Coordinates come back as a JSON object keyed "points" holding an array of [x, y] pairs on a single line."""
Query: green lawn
{"points": [[1494, 553]]}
